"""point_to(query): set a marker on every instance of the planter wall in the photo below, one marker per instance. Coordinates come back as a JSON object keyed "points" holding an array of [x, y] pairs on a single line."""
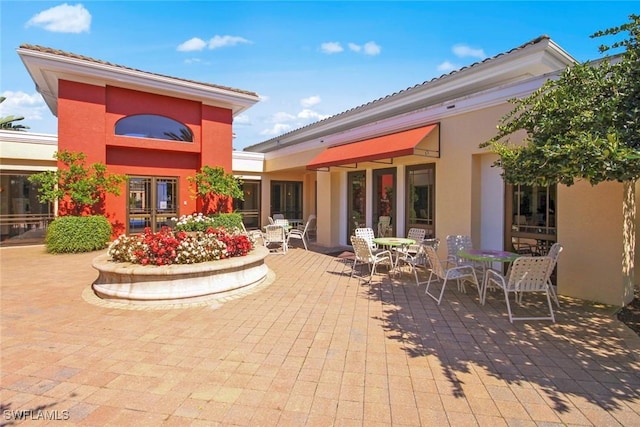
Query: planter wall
{"points": [[134, 283]]}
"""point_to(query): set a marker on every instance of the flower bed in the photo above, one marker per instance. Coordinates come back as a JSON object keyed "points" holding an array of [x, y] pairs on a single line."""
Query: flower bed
{"points": [[168, 247], [176, 266]]}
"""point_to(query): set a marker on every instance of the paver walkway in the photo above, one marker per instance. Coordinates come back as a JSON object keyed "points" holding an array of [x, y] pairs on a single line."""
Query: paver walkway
{"points": [[313, 347]]}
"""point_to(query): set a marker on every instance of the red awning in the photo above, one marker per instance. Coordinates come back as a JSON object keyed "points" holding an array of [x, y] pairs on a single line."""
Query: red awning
{"points": [[382, 147]]}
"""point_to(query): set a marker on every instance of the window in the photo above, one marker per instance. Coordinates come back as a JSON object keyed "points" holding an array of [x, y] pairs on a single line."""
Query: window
{"points": [[153, 126], [421, 200], [531, 218], [250, 206], [286, 198]]}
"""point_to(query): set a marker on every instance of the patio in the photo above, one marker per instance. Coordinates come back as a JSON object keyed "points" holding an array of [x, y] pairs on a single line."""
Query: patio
{"points": [[312, 347]]}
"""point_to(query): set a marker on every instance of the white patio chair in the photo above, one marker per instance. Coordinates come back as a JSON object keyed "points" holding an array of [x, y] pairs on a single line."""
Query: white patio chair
{"points": [[367, 234], [278, 216], [275, 235], [459, 273], [297, 233], [384, 226], [417, 234], [455, 243], [271, 221], [554, 253], [364, 255], [311, 231], [415, 261], [526, 274]]}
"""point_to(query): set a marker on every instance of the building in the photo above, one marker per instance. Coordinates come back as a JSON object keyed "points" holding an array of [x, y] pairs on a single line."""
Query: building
{"points": [[413, 155]]}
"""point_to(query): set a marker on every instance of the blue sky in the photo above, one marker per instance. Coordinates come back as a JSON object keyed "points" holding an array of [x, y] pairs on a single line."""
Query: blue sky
{"points": [[307, 60]]}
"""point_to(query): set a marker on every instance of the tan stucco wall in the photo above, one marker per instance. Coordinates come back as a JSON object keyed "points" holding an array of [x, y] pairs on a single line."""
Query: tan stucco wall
{"points": [[590, 229]]}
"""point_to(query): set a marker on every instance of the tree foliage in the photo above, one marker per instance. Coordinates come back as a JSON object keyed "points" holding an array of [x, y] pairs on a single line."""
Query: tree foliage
{"points": [[216, 186], [7, 122], [582, 125], [80, 186]]}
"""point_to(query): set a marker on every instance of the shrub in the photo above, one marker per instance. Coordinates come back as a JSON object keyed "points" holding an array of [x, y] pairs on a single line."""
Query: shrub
{"points": [[71, 234], [200, 222]]}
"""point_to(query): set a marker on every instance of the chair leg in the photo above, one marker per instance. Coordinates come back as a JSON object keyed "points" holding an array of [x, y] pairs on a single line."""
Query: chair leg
{"points": [[553, 317], [554, 295], [506, 297]]}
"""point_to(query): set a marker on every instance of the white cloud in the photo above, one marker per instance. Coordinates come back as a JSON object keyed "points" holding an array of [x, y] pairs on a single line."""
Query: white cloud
{"points": [[63, 19], [222, 41], [463, 51], [277, 129], [281, 116], [371, 48], [331, 47], [355, 47], [310, 101], [242, 119], [192, 44], [31, 107], [447, 66], [307, 114]]}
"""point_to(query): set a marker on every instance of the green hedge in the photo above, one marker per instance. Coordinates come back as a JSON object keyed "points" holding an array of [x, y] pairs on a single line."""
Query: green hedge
{"points": [[71, 234], [228, 220]]}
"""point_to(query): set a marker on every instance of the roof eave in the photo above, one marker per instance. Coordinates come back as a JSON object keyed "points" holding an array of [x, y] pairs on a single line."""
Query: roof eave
{"points": [[536, 58], [47, 68]]}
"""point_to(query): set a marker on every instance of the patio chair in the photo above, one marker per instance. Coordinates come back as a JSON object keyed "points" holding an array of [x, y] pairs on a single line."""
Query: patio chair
{"points": [[417, 234], [278, 216], [364, 255], [455, 243], [297, 233], [271, 221], [311, 231], [384, 226], [416, 260], [367, 234], [554, 253], [275, 235], [526, 274], [460, 274]]}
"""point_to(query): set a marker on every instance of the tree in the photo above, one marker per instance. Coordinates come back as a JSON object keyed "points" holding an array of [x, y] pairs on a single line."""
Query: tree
{"points": [[6, 123], [216, 188], [80, 188], [583, 125]]}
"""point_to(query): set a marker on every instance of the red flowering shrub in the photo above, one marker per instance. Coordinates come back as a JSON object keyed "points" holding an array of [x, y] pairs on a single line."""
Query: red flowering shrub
{"points": [[177, 247]]}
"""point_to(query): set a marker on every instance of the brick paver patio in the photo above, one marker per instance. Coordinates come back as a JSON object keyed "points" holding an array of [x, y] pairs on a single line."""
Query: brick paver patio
{"points": [[313, 347]]}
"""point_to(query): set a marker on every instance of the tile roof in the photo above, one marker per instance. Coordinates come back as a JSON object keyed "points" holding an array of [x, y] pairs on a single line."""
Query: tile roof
{"points": [[59, 52], [404, 91]]}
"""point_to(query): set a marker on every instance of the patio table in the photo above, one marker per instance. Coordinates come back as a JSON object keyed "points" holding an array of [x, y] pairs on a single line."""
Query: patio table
{"points": [[393, 243], [487, 257]]}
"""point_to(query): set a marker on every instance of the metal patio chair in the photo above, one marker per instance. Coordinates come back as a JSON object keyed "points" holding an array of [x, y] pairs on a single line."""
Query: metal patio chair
{"points": [[460, 274], [364, 256], [526, 274]]}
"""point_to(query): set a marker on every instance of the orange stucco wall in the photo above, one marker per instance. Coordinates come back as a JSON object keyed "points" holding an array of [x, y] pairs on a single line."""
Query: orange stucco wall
{"points": [[87, 115]]}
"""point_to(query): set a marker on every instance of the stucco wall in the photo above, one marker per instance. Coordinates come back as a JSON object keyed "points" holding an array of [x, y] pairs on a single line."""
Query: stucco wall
{"points": [[590, 229]]}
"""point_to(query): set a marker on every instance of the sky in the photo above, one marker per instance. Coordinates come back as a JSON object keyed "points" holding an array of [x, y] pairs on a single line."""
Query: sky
{"points": [[306, 60]]}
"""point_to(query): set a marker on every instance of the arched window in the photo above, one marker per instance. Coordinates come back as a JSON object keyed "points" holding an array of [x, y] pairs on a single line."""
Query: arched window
{"points": [[153, 126]]}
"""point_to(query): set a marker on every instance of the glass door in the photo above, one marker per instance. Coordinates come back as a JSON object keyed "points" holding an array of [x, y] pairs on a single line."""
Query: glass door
{"points": [[384, 198], [152, 203], [250, 206], [286, 199], [357, 201]]}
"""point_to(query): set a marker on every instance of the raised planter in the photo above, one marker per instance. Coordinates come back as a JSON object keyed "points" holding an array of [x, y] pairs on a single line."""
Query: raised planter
{"points": [[138, 284]]}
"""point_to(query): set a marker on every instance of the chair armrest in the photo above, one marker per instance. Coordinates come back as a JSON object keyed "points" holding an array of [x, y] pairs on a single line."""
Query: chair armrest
{"points": [[495, 277]]}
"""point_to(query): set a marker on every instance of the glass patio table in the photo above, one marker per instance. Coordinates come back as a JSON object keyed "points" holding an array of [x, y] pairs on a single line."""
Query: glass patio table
{"points": [[393, 243], [486, 257]]}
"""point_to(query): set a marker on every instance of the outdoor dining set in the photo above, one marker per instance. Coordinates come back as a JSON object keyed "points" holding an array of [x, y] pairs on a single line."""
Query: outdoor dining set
{"points": [[481, 268], [487, 269]]}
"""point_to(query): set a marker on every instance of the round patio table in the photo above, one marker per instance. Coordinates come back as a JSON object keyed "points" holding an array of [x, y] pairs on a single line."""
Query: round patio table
{"points": [[487, 257], [394, 242]]}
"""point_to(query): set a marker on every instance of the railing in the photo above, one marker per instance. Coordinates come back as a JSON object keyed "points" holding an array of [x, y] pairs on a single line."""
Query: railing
{"points": [[16, 226]]}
